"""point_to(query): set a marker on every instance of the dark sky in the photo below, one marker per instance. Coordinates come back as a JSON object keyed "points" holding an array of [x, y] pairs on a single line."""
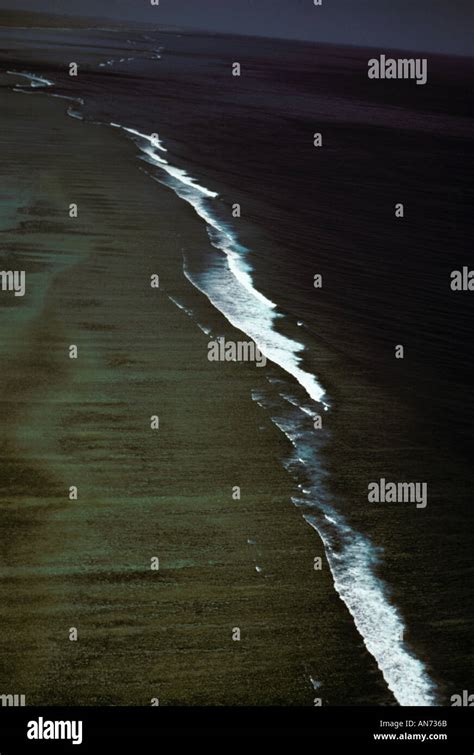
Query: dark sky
{"points": [[436, 25]]}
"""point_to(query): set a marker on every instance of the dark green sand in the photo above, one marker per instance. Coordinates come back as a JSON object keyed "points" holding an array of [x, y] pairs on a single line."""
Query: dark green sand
{"points": [[142, 493]]}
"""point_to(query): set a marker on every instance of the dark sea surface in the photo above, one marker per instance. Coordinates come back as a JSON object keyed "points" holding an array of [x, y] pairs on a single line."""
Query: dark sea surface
{"points": [[402, 572]]}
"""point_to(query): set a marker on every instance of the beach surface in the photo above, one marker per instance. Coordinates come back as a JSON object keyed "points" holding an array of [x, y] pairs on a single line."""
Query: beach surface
{"points": [[141, 493], [163, 144]]}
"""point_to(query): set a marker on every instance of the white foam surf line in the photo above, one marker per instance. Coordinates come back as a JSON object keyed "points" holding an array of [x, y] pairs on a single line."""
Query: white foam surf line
{"points": [[377, 620], [73, 114], [353, 560], [222, 239], [153, 139], [234, 295], [207, 331], [246, 314], [36, 81], [66, 97], [39, 82]]}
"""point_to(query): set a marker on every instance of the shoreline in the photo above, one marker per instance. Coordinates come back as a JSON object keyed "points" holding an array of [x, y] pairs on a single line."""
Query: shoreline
{"points": [[92, 553], [343, 459]]}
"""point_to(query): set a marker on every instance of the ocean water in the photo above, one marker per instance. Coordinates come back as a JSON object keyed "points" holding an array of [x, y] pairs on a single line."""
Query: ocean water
{"points": [[216, 140]]}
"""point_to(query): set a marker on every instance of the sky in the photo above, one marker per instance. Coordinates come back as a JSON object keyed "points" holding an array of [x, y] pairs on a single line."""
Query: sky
{"points": [[432, 25]]}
